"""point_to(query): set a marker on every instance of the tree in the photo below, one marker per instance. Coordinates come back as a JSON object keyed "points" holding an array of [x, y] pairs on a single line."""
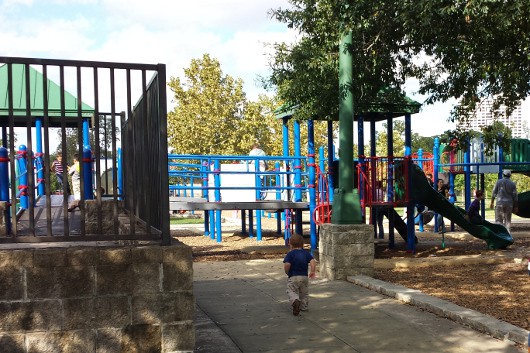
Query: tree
{"points": [[213, 116], [469, 50], [398, 138], [71, 139], [209, 110]]}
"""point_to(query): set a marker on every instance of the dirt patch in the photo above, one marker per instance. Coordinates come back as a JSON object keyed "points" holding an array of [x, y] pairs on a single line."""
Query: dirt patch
{"points": [[496, 289]]}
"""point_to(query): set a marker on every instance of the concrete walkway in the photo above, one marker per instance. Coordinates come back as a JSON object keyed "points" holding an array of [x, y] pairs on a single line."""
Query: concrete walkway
{"points": [[242, 307]]}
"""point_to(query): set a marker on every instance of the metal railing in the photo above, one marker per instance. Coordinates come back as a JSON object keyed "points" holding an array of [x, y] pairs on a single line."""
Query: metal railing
{"points": [[34, 101]]}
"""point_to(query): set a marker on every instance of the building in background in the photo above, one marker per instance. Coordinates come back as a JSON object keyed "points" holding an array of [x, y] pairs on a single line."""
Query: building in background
{"points": [[484, 116]]}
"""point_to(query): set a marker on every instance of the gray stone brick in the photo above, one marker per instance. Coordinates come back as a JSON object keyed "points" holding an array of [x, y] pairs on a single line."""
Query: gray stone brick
{"points": [[177, 253], [179, 306], [79, 314], [112, 312], [108, 340], [178, 276], [11, 283], [60, 282], [16, 258], [64, 342], [146, 278], [115, 256], [141, 339], [114, 280], [178, 337], [147, 254], [40, 315], [43, 283], [81, 256], [163, 308], [147, 309], [353, 250], [47, 258], [12, 343]]}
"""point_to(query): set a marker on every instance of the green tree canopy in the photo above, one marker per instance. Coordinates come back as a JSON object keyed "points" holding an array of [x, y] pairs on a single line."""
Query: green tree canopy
{"points": [[213, 116], [209, 108], [469, 50]]}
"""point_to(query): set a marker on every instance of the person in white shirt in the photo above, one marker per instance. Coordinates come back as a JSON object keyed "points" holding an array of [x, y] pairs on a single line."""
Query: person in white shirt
{"points": [[258, 152], [505, 192]]}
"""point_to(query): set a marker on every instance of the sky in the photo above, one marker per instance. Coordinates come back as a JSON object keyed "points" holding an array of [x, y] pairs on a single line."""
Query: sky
{"points": [[172, 32]]}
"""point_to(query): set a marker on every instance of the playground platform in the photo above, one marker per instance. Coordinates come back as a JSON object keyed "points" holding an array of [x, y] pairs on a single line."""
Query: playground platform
{"points": [[201, 204], [242, 307], [57, 218]]}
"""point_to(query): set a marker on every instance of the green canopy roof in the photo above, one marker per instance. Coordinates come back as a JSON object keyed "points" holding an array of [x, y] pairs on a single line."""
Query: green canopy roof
{"points": [[37, 97], [389, 101]]}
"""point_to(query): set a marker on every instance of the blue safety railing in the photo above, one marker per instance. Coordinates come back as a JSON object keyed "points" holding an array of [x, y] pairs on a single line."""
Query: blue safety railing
{"points": [[188, 173], [242, 179]]}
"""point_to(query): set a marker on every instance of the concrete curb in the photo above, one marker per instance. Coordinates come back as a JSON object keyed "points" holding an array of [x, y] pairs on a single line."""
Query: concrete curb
{"points": [[478, 321]]}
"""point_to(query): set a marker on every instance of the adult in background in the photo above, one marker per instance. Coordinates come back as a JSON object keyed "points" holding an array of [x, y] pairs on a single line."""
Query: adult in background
{"points": [[505, 192], [258, 152]]}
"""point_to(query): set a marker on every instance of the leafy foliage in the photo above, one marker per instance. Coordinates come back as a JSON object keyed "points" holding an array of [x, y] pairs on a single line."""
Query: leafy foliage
{"points": [[496, 134], [469, 50], [398, 138], [213, 116], [209, 108]]}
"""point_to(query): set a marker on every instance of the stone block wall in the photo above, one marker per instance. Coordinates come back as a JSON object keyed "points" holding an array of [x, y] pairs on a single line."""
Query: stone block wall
{"points": [[346, 250], [3, 229], [101, 298], [106, 213]]}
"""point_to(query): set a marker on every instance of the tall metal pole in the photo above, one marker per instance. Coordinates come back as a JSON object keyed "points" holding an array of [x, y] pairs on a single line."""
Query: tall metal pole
{"points": [[346, 205]]}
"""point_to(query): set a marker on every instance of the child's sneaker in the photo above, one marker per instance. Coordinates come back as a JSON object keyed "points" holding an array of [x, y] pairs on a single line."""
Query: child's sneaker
{"points": [[296, 307]]}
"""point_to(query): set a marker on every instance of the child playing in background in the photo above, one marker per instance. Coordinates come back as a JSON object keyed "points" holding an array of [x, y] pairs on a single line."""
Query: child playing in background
{"points": [[473, 212], [295, 265]]}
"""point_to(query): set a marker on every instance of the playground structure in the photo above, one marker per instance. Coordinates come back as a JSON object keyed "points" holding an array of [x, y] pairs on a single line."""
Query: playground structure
{"points": [[33, 105], [295, 185], [402, 178]]}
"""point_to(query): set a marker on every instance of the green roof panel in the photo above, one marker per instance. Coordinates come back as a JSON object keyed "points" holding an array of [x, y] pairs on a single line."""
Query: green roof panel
{"points": [[37, 95]]}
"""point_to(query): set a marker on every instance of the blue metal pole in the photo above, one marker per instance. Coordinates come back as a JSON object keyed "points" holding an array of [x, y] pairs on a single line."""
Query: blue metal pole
{"points": [[217, 183], [259, 188], [467, 176], [501, 160], [278, 197], [420, 158], [86, 132], [361, 181], [420, 164], [39, 161], [297, 176], [312, 181], [87, 173], [120, 175], [411, 236], [331, 157], [204, 167], [390, 177], [436, 166], [285, 135], [23, 176]]}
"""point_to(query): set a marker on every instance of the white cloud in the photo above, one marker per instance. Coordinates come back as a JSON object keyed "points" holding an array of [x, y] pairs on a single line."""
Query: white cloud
{"points": [[156, 31], [222, 16]]}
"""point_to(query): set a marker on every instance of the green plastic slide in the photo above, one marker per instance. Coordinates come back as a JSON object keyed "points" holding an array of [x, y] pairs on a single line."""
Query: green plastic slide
{"points": [[495, 235]]}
